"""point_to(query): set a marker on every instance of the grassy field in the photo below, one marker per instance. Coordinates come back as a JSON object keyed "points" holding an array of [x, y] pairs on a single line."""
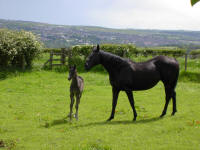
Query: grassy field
{"points": [[35, 103]]}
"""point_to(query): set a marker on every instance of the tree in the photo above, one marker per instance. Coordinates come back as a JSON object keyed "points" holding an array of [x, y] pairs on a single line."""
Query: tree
{"points": [[193, 2]]}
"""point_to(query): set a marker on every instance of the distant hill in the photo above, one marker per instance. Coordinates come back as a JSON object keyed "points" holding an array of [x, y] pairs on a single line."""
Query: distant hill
{"points": [[64, 35]]}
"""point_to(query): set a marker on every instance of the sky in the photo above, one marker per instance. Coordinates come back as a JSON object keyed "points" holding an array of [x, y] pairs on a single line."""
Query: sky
{"points": [[134, 14]]}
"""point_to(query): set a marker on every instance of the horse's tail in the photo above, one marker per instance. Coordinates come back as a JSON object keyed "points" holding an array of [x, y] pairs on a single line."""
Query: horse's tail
{"points": [[169, 71], [176, 75]]}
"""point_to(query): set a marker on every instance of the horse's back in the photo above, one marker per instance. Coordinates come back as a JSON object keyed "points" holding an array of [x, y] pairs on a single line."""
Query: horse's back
{"points": [[166, 61], [145, 75], [137, 76]]}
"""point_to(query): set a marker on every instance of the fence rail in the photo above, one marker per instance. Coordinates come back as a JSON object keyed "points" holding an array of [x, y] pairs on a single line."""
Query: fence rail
{"points": [[63, 54]]}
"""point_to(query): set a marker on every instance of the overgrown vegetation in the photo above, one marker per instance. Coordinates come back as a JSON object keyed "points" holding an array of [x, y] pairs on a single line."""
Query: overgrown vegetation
{"points": [[18, 48]]}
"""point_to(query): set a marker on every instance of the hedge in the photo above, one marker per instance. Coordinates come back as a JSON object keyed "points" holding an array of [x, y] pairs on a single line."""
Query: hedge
{"points": [[123, 50], [18, 48], [79, 53], [175, 52], [195, 52]]}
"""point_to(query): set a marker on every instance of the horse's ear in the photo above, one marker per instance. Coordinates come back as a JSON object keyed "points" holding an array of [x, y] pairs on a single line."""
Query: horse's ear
{"points": [[98, 48]]}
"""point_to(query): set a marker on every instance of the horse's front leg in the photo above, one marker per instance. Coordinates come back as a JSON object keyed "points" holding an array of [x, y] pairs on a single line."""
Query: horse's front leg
{"points": [[131, 100], [115, 92]]}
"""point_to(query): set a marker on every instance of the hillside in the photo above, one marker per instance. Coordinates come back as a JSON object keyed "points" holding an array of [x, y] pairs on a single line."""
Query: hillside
{"points": [[63, 35]]}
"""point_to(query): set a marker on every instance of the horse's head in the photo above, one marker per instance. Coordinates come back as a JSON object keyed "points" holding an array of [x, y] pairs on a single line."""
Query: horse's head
{"points": [[93, 59], [72, 72]]}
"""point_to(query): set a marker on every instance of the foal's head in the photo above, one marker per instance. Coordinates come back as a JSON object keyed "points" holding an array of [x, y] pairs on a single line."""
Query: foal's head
{"points": [[93, 59], [72, 72]]}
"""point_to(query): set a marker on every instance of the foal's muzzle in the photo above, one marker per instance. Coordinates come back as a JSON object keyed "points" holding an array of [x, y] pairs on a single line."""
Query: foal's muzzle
{"points": [[86, 66], [69, 78]]}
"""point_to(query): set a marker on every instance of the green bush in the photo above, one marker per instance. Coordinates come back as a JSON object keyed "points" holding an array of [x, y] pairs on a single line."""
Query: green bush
{"points": [[123, 50], [82, 51], [18, 48], [48, 50], [195, 52], [175, 52]]}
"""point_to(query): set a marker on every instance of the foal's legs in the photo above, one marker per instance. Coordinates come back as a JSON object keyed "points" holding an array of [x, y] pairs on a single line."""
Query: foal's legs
{"points": [[78, 97], [131, 100], [71, 105], [114, 102]]}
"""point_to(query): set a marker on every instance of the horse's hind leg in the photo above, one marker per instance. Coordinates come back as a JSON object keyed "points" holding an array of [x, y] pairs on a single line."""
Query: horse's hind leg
{"points": [[168, 93], [131, 100], [174, 103]]}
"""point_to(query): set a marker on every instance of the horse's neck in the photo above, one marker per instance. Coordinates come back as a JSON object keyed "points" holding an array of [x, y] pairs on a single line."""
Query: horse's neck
{"points": [[110, 62]]}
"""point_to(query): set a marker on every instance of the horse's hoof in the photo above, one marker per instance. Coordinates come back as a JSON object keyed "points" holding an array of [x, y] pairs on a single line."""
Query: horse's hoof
{"points": [[109, 119], [162, 115], [173, 113]]}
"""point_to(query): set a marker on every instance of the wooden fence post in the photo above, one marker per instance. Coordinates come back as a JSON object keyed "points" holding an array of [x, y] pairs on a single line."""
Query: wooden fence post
{"points": [[186, 57], [69, 53], [51, 59], [62, 56]]}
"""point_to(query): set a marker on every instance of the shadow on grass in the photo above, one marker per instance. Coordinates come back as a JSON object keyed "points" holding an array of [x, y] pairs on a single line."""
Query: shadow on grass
{"points": [[189, 76], [65, 120], [125, 122], [56, 122]]}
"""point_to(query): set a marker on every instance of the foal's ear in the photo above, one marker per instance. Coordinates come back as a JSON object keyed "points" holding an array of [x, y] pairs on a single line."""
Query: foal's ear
{"points": [[74, 67]]}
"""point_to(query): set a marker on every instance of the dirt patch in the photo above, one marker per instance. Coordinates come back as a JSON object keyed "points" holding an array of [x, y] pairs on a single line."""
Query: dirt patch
{"points": [[9, 144], [2, 143]]}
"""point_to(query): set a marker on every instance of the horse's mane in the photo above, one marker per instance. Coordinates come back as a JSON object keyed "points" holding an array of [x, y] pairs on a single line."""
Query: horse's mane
{"points": [[114, 59]]}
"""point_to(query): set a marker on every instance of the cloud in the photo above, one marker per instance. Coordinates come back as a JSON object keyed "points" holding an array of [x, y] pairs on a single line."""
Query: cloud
{"points": [[149, 14], [143, 14]]}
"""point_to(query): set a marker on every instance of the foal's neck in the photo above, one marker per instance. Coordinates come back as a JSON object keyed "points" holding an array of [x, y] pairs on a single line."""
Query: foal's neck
{"points": [[74, 78]]}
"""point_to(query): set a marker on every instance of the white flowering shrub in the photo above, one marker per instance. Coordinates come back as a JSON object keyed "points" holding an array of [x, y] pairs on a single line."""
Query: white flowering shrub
{"points": [[18, 48]]}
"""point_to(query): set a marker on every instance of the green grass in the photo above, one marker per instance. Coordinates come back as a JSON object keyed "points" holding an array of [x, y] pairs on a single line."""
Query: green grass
{"points": [[34, 105]]}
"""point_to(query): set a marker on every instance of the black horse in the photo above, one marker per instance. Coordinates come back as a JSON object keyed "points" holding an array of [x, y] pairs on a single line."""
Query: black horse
{"points": [[126, 75]]}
